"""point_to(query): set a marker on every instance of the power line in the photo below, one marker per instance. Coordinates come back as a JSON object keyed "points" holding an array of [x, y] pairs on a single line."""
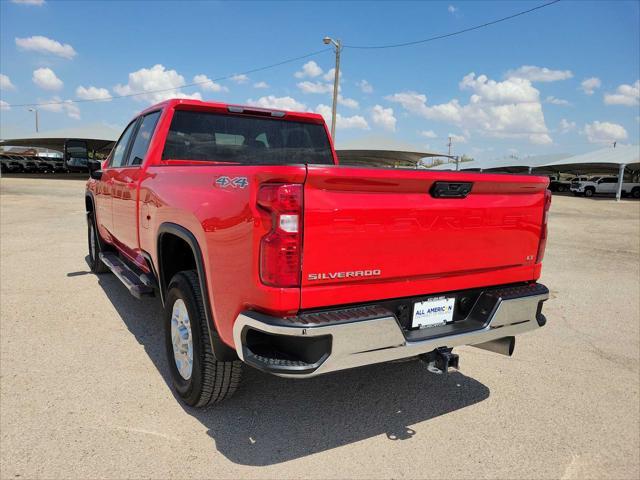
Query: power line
{"points": [[439, 37], [146, 92], [289, 60]]}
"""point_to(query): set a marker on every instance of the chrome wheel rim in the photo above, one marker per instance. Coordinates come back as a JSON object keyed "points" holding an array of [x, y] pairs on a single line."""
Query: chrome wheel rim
{"points": [[182, 339], [92, 242]]}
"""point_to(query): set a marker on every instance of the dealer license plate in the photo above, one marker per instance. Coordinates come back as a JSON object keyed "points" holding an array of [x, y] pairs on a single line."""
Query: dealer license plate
{"points": [[433, 312]]}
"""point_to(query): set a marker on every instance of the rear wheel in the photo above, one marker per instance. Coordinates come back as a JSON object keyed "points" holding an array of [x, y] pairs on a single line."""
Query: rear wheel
{"points": [[635, 193], [95, 248], [197, 376]]}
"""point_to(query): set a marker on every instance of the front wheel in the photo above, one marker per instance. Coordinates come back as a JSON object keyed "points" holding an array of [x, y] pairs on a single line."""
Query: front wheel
{"points": [[589, 192], [198, 378]]}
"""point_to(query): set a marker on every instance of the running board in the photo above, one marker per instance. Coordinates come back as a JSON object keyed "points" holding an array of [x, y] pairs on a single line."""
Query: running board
{"points": [[138, 285]]}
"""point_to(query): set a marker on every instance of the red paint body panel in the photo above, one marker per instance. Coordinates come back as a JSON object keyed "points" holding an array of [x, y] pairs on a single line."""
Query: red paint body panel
{"points": [[386, 220], [353, 219]]}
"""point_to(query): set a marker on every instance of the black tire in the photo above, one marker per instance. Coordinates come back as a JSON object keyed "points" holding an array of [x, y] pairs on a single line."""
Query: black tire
{"points": [[210, 381], [95, 248], [635, 193], [588, 192]]}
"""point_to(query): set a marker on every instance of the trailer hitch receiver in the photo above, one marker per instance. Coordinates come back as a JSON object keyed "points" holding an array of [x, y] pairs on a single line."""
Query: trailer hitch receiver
{"points": [[440, 360]]}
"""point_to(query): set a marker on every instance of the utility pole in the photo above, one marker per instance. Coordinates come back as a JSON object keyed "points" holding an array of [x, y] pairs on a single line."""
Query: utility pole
{"points": [[36, 112], [449, 145], [336, 83]]}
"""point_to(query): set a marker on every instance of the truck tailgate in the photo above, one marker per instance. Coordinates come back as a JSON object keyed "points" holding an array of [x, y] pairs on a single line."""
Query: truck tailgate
{"points": [[372, 234]]}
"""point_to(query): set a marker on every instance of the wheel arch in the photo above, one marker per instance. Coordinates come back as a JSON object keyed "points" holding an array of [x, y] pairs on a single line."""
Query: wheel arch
{"points": [[221, 350], [89, 202]]}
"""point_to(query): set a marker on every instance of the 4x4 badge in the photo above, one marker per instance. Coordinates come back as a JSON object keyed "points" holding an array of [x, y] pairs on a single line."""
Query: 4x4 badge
{"points": [[235, 182]]}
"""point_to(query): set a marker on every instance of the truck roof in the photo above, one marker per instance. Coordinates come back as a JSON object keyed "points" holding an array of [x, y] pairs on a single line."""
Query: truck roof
{"points": [[178, 103]]}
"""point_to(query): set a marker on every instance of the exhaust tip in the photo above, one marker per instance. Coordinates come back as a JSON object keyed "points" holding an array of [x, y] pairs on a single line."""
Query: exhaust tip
{"points": [[503, 346]]}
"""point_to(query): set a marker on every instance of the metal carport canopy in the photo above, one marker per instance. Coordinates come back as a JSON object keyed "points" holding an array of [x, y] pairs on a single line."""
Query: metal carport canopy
{"points": [[507, 164], [98, 137], [381, 151], [618, 158]]}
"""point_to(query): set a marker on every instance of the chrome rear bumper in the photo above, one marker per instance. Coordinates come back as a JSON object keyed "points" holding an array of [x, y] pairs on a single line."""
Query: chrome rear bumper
{"points": [[374, 335]]}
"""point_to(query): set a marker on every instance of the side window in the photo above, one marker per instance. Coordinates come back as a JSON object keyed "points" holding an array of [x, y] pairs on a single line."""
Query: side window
{"points": [[143, 138], [120, 150]]}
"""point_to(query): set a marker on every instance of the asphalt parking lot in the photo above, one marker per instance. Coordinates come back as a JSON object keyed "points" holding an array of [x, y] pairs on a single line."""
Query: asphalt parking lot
{"points": [[84, 386]]}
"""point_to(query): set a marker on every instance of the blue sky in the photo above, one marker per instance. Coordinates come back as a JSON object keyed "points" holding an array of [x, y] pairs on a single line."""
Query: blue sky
{"points": [[561, 79]]}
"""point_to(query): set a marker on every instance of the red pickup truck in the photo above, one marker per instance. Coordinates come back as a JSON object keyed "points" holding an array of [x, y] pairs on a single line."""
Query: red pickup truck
{"points": [[265, 251]]}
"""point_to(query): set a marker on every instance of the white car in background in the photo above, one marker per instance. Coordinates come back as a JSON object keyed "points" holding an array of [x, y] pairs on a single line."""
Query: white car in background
{"points": [[604, 185]]}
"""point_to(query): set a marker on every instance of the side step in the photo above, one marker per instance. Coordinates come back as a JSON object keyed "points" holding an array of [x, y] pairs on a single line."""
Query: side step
{"points": [[138, 285]]}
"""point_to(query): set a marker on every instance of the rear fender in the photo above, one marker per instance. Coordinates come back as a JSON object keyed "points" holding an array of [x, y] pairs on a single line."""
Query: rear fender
{"points": [[221, 351]]}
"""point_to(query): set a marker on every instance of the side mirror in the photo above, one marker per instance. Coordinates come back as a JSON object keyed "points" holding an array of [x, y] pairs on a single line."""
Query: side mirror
{"points": [[94, 169]]}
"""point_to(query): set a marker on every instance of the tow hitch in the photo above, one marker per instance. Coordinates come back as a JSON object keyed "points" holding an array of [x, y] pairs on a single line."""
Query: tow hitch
{"points": [[440, 360]]}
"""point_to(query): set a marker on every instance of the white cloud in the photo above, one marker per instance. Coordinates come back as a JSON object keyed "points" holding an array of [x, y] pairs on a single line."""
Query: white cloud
{"points": [[604, 132], [452, 9], [154, 79], [45, 45], [512, 90], [46, 79], [261, 85], [557, 101], [539, 74], [566, 126], [540, 139], [5, 83], [206, 84], [348, 102], [309, 70], [507, 109], [315, 87], [37, 3], [428, 134], [589, 85], [457, 138], [4, 105], [628, 95], [58, 106], [330, 75], [365, 86], [279, 103], [240, 78], [383, 117], [93, 93], [355, 121]]}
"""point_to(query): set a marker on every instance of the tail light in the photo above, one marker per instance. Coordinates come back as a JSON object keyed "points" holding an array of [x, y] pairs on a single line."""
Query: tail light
{"points": [[281, 248], [544, 230]]}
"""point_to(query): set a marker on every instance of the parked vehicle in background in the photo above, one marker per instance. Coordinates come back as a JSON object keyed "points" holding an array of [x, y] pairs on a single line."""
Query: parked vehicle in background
{"points": [[576, 180], [605, 185], [11, 164], [561, 185], [264, 251], [44, 165], [558, 184], [29, 165]]}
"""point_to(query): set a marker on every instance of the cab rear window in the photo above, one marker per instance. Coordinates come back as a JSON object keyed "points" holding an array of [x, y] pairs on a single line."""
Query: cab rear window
{"points": [[242, 139]]}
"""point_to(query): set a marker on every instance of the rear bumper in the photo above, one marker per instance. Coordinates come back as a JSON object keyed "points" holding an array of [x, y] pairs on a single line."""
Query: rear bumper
{"points": [[324, 342]]}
